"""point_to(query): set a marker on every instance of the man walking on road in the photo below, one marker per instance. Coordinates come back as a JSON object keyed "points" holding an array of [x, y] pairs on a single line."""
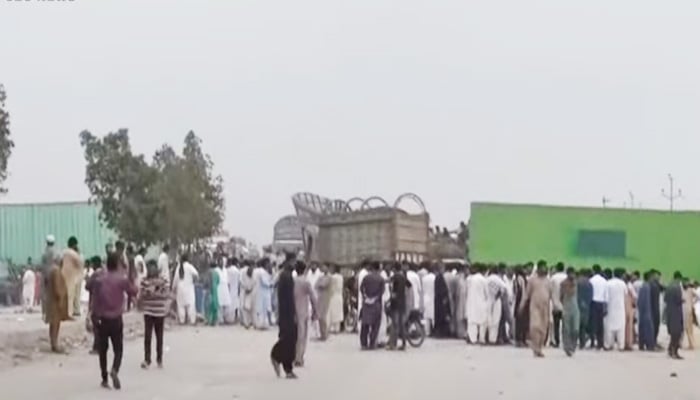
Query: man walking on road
{"points": [[304, 298], [109, 290], [283, 352]]}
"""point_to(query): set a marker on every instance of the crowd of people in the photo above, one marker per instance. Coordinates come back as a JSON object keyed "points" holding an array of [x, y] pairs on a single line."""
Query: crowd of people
{"points": [[482, 304], [534, 304]]}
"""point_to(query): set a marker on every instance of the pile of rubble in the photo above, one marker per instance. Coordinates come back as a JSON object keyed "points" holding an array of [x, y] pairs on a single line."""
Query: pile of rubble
{"points": [[25, 338]]}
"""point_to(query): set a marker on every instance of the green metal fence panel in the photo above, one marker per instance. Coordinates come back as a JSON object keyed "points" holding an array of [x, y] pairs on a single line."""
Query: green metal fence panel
{"points": [[513, 233], [24, 227]]}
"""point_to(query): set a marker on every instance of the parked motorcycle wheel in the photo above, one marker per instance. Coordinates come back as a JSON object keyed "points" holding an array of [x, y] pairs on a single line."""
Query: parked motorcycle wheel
{"points": [[415, 334], [351, 322]]}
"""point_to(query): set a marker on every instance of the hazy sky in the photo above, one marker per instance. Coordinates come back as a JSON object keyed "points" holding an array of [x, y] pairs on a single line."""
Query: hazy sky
{"points": [[545, 101]]}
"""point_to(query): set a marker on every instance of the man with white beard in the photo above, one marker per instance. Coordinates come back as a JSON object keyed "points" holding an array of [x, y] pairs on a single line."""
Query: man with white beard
{"points": [[477, 305], [496, 293], [615, 320], [428, 283]]}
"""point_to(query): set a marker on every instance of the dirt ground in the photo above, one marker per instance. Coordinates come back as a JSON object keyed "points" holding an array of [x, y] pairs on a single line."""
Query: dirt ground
{"points": [[231, 363]]}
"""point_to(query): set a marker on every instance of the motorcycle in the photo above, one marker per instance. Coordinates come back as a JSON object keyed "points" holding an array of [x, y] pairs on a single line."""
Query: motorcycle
{"points": [[413, 326], [351, 312]]}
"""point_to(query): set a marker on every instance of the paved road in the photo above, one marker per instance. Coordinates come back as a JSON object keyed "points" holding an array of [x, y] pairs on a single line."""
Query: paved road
{"points": [[230, 363]]}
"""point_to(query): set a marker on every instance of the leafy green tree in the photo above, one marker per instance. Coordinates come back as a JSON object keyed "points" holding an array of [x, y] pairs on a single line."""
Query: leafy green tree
{"points": [[175, 199], [6, 143], [121, 183], [209, 187]]}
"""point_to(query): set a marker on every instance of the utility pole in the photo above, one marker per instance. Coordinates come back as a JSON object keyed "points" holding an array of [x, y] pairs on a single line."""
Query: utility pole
{"points": [[606, 201], [631, 199], [672, 195]]}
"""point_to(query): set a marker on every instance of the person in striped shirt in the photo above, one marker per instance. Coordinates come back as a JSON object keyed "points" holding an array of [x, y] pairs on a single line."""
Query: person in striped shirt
{"points": [[154, 301]]}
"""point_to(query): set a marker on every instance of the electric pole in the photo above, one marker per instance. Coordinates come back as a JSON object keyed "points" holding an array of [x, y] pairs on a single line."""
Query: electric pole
{"points": [[606, 201], [631, 199], [672, 195]]}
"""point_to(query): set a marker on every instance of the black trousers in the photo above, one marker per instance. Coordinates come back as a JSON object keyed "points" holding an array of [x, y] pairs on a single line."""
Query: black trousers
{"points": [[596, 324], [110, 329], [398, 325], [556, 321], [522, 322], [151, 324], [95, 345], [583, 330], [284, 351], [656, 320], [675, 343], [369, 331]]}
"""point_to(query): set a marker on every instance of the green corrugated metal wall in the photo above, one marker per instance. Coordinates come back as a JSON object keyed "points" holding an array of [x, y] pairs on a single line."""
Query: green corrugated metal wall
{"points": [[24, 227]]}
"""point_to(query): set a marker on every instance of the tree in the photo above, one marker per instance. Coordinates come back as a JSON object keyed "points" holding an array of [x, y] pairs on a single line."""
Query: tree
{"points": [[121, 183], [191, 197], [174, 199], [211, 206], [6, 143]]}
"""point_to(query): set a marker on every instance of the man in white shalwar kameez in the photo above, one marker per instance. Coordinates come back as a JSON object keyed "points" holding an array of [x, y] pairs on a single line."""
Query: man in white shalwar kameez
{"points": [[416, 286], [477, 305], [248, 295], [496, 292], [28, 289], [312, 276], [164, 265], [364, 271], [615, 320], [382, 338], [224, 295], [428, 283], [234, 280]]}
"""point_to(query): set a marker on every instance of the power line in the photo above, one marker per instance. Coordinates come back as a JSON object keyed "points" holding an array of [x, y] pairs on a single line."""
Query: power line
{"points": [[672, 195]]}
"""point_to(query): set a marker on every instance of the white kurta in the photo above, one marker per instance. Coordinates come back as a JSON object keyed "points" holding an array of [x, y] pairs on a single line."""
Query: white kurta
{"points": [[360, 277], [417, 288], [511, 294], [247, 290], [185, 286], [335, 314], [477, 299], [222, 290], [140, 265], [164, 266], [234, 279], [615, 293], [428, 283], [312, 278], [28, 288], [496, 286], [382, 336]]}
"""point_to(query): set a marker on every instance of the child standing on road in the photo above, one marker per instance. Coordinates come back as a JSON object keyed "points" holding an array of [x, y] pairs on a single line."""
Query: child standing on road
{"points": [[154, 301]]}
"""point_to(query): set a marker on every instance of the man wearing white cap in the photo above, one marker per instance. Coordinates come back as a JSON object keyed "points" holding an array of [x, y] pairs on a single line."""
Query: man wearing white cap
{"points": [[47, 260]]}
